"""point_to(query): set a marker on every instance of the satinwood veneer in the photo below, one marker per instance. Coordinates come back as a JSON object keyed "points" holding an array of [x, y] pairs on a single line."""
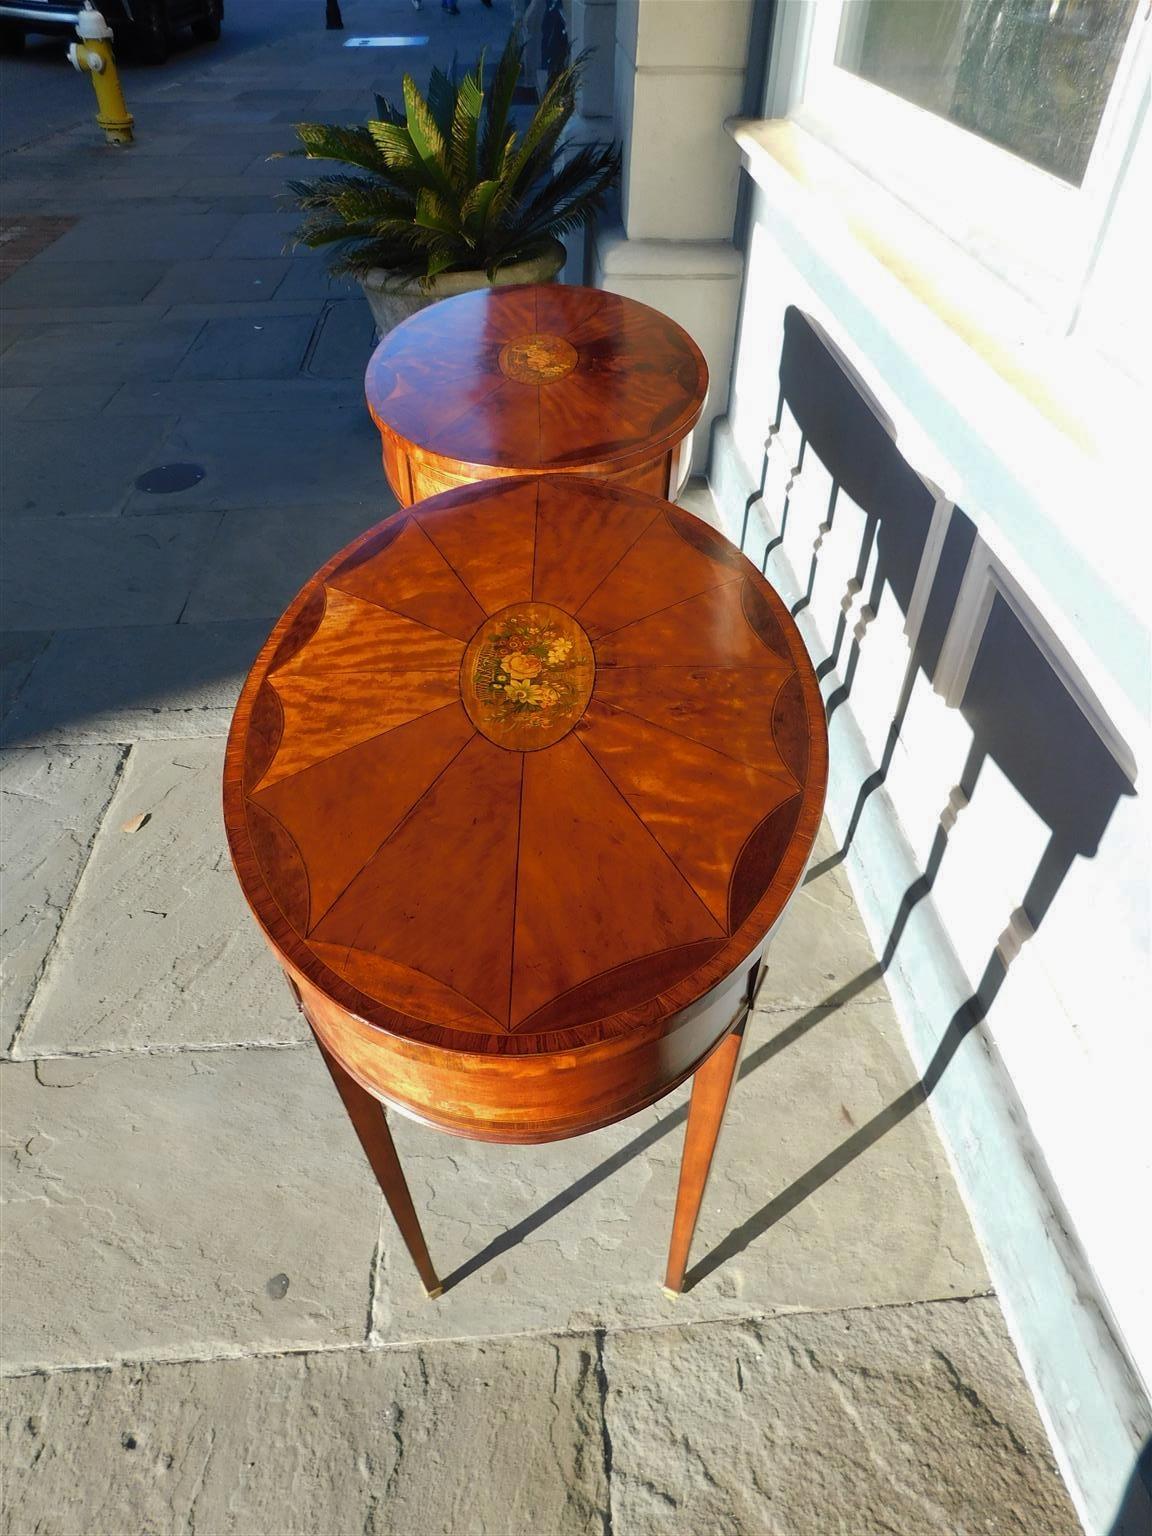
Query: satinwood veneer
{"points": [[536, 380], [517, 790]]}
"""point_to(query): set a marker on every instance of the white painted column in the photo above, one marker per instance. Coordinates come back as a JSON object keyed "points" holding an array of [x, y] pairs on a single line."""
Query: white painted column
{"points": [[679, 72], [594, 30]]}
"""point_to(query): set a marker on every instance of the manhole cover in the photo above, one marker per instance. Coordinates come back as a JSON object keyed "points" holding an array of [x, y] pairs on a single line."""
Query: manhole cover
{"points": [[166, 478]]}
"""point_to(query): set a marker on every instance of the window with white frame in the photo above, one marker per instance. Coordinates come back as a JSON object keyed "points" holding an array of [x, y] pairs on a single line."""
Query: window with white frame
{"points": [[1033, 76], [1009, 124]]}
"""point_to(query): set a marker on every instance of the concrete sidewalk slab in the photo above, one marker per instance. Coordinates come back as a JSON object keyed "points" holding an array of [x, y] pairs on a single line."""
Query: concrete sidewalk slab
{"points": [[264, 558], [35, 321], [209, 282], [142, 235], [243, 308], [224, 164], [273, 347], [151, 1200], [344, 341], [149, 193], [260, 234], [18, 655], [88, 572], [90, 476], [65, 402], [249, 140], [232, 397], [820, 954], [308, 278], [92, 353], [53, 804], [16, 399], [473, 1440], [222, 191], [218, 113], [821, 1196], [44, 283], [280, 460], [12, 333], [159, 947], [122, 685], [904, 1419]]}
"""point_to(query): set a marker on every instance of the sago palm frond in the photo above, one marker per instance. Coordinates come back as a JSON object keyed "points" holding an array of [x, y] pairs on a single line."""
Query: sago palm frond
{"points": [[465, 130], [569, 202], [498, 105], [447, 181], [333, 141]]}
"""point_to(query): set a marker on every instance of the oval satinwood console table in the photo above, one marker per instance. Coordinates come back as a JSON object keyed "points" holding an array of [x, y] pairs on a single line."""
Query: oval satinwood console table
{"points": [[536, 380], [517, 790]]}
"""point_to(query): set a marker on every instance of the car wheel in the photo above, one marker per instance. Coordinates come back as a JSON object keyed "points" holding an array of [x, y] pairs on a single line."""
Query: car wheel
{"points": [[153, 31], [11, 37], [207, 29]]}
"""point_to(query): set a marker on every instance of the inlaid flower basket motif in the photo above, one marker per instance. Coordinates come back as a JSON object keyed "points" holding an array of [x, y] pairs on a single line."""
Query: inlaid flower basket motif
{"points": [[529, 675]]}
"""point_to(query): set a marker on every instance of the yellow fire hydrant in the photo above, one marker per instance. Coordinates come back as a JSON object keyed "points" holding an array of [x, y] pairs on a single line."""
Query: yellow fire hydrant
{"points": [[93, 57]]}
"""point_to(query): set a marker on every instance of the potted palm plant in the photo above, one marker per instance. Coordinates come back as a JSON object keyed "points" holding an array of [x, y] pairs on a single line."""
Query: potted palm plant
{"points": [[448, 195]]}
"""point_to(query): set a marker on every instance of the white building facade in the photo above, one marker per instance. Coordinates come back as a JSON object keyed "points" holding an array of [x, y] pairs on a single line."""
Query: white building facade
{"points": [[944, 205]]}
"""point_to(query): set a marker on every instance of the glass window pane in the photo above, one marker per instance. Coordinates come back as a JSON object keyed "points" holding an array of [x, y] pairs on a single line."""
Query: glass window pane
{"points": [[1030, 75]]}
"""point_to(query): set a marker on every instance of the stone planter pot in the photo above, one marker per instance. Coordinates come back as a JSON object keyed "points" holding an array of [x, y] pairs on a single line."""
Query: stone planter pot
{"points": [[393, 298]]}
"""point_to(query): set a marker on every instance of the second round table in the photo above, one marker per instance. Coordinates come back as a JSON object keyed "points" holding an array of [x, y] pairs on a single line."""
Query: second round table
{"points": [[536, 380]]}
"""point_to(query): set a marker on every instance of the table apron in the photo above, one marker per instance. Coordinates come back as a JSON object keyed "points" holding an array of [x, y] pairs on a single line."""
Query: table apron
{"points": [[527, 1098]]}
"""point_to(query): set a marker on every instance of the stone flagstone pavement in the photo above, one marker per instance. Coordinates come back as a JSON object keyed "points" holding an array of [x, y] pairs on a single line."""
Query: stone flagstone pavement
{"points": [[208, 1322]]}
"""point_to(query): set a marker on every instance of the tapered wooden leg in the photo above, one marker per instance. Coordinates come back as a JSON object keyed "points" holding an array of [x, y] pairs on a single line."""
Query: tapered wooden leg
{"points": [[367, 1116], [710, 1089]]}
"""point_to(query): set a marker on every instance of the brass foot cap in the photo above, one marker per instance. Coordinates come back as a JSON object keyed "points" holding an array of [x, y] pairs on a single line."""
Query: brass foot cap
{"points": [[670, 1293], [433, 1295]]}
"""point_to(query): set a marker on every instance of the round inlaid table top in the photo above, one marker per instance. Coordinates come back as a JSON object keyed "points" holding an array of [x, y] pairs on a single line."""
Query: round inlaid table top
{"points": [[539, 378], [530, 765]]}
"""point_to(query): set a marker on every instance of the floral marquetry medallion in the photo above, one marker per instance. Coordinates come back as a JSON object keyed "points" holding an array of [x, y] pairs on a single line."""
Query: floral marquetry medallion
{"points": [[527, 676], [538, 359], [530, 766]]}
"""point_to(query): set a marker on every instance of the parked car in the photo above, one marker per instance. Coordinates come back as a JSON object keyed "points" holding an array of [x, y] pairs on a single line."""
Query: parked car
{"points": [[147, 24]]}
